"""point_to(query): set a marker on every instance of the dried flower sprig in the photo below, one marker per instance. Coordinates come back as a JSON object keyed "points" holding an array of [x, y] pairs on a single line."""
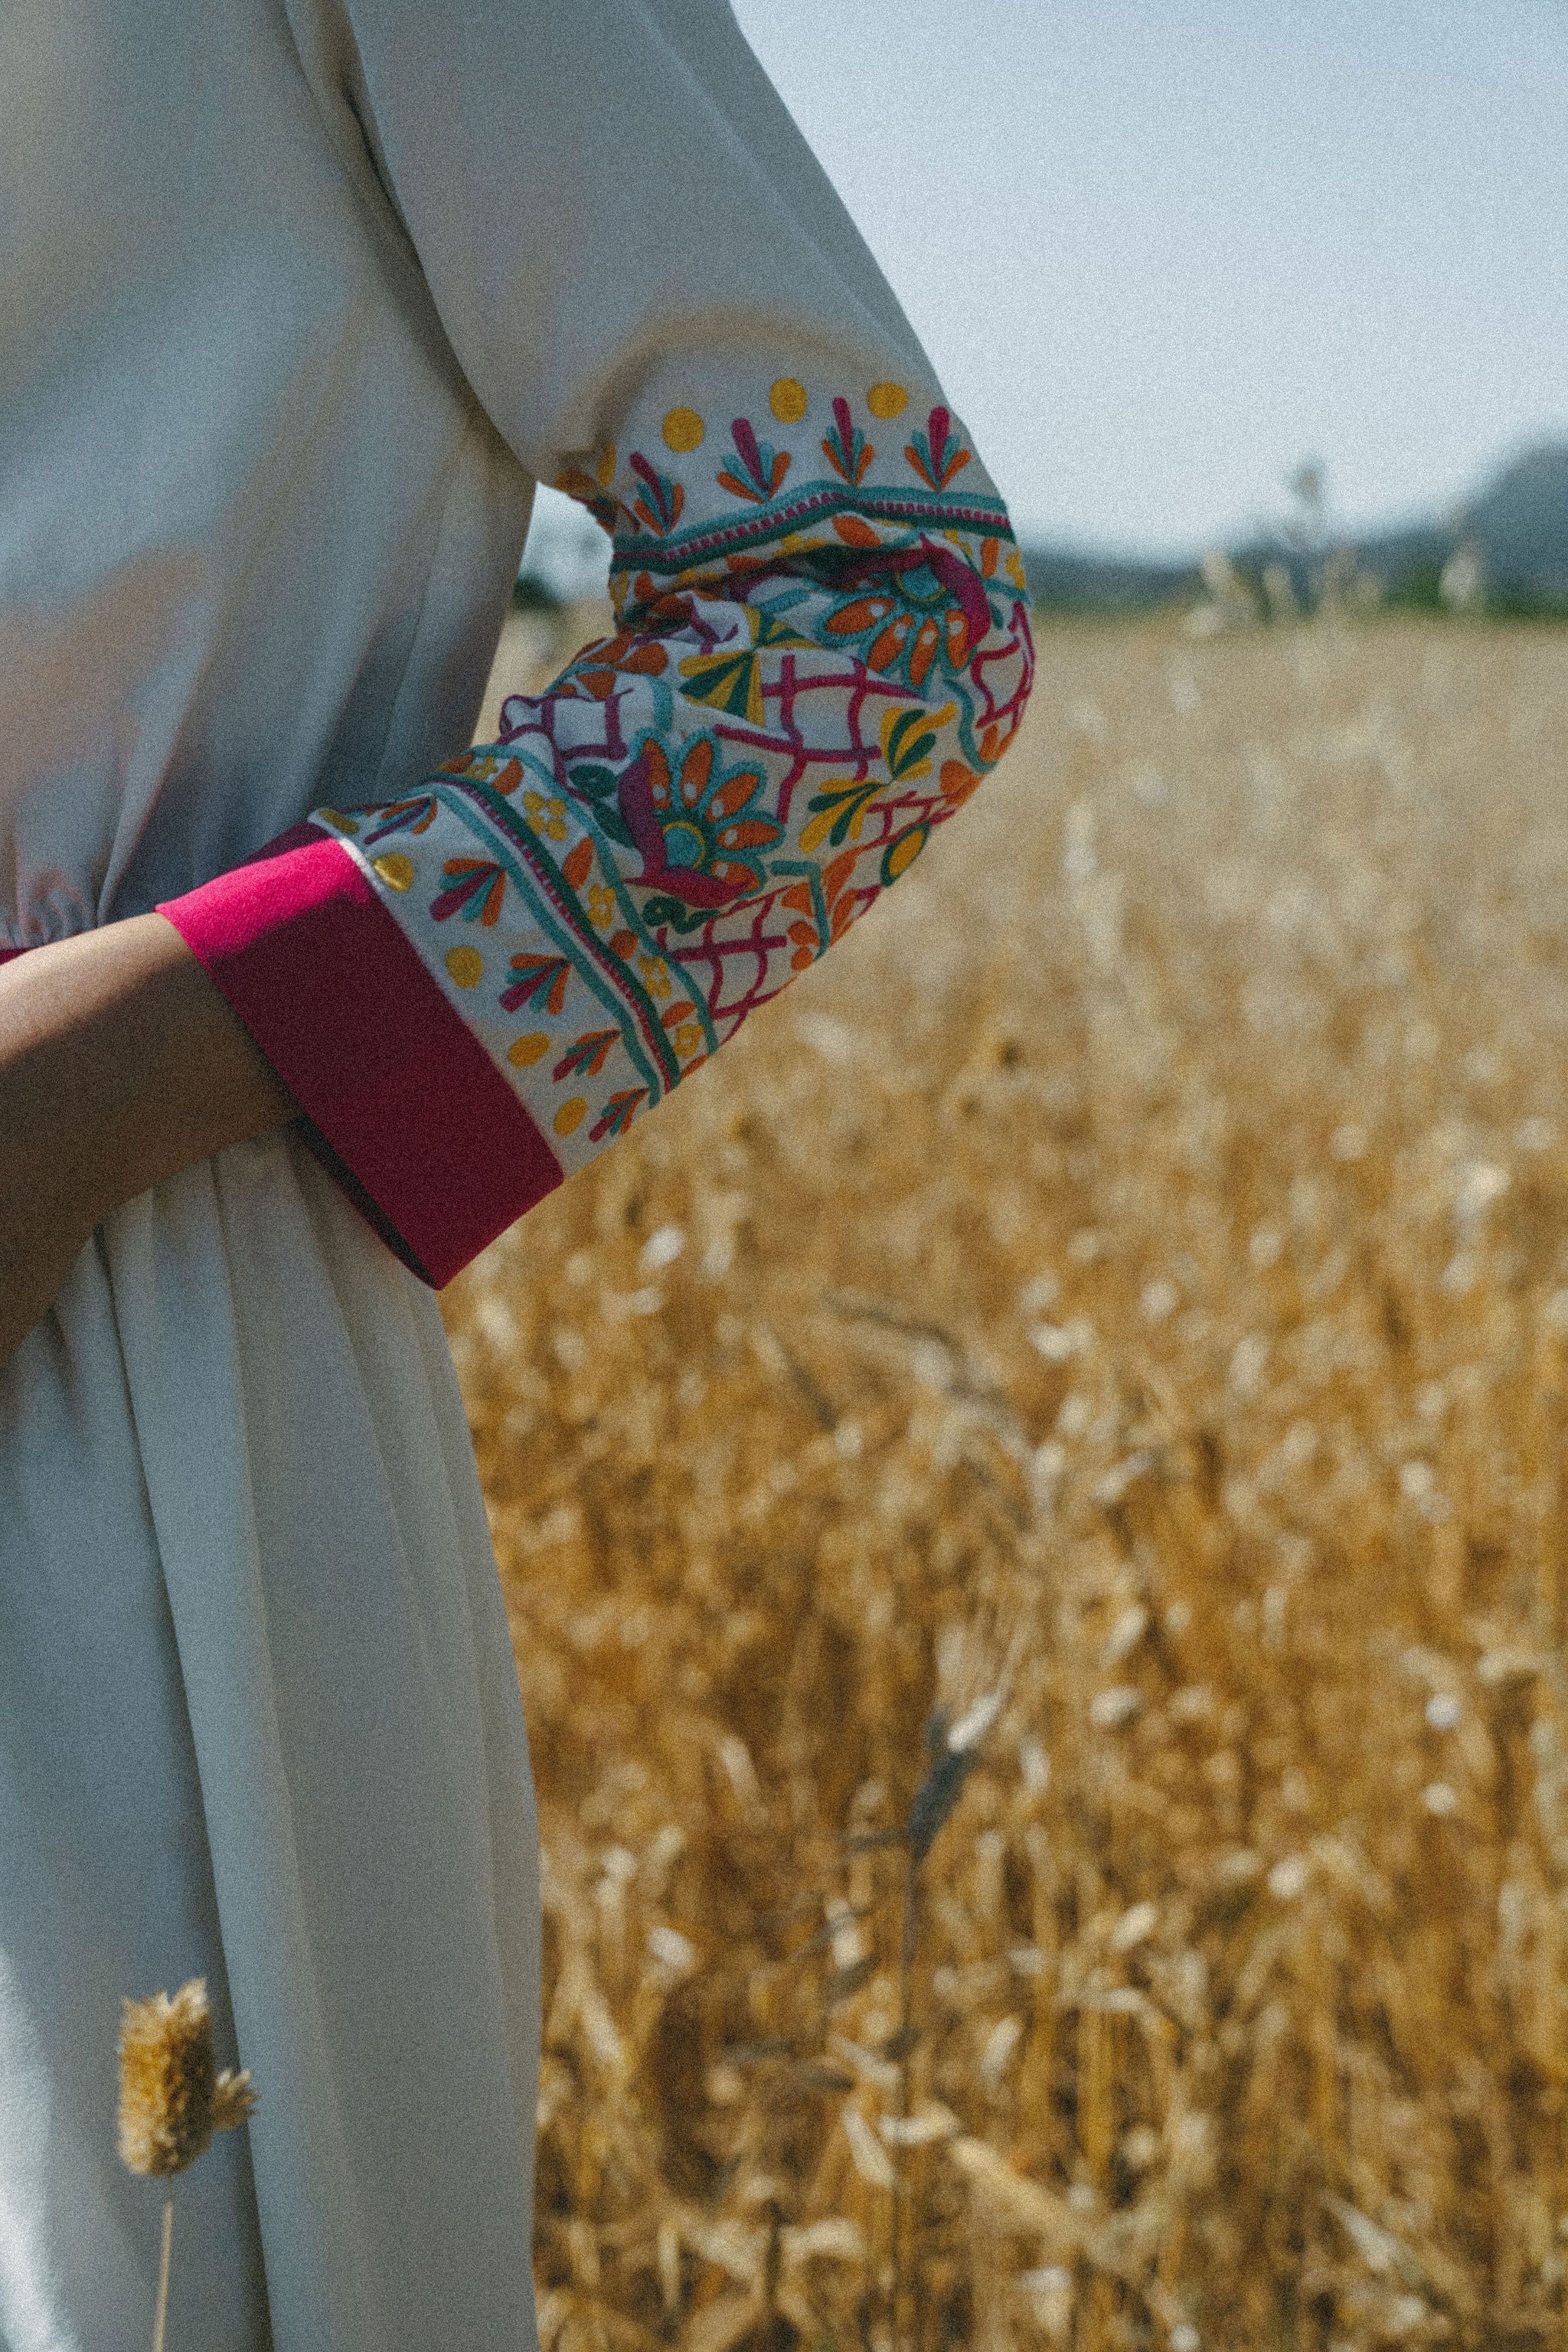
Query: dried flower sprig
{"points": [[172, 2098], [172, 2095]]}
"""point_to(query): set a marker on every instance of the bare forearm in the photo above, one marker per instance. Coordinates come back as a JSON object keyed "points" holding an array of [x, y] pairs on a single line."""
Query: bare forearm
{"points": [[120, 1036], [119, 1064]]}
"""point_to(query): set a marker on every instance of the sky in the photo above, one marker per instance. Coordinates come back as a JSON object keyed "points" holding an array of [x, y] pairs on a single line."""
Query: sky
{"points": [[1160, 252]]}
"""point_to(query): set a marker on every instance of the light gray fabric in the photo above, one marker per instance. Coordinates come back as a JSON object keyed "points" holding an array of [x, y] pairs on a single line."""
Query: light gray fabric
{"points": [[255, 534], [258, 1722]]}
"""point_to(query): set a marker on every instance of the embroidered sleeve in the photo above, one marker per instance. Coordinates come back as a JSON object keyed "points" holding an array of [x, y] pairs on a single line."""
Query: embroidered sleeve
{"points": [[822, 646]]}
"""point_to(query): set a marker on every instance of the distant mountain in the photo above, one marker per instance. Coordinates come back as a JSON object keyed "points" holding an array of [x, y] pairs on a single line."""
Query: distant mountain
{"points": [[1067, 580], [1516, 527], [1520, 524]]}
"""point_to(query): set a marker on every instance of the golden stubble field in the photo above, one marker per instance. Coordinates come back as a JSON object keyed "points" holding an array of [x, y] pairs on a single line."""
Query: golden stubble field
{"points": [[1085, 1376]]}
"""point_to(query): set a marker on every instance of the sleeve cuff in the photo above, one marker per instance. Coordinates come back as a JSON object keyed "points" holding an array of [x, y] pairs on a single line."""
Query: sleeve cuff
{"points": [[402, 1103]]}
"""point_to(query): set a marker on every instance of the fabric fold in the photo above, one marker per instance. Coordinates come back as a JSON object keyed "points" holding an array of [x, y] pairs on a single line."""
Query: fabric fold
{"points": [[376, 1866]]}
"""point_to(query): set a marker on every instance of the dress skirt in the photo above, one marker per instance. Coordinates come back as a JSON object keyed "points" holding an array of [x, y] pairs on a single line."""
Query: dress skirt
{"points": [[259, 1722]]}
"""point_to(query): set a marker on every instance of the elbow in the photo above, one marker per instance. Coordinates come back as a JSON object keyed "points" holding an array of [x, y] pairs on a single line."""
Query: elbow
{"points": [[990, 684], [1016, 662]]}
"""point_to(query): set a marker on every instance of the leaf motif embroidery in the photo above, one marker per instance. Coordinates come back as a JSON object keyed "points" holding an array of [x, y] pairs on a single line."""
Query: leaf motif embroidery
{"points": [[414, 815], [845, 446], [619, 1114], [757, 469], [541, 980], [476, 887], [660, 504], [935, 453], [909, 739], [586, 1058]]}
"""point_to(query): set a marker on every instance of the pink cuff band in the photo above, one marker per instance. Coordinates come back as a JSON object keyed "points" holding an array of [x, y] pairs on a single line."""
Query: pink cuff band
{"points": [[407, 1111]]}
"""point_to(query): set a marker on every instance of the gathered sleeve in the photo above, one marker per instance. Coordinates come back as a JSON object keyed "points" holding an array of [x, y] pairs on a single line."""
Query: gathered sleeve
{"points": [[821, 644]]}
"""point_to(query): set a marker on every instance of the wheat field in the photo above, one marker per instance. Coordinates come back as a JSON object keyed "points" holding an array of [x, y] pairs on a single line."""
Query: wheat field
{"points": [[1033, 1498]]}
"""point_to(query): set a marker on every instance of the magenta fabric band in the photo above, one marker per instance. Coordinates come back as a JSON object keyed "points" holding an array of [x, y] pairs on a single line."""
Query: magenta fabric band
{"points": [[297, 836], [410, 1114]]}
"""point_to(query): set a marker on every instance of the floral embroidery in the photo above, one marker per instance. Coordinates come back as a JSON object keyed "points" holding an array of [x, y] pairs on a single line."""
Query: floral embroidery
{"points": [[903, 639], [490, 768], [698, 835], [820, 649], [546, 815]]}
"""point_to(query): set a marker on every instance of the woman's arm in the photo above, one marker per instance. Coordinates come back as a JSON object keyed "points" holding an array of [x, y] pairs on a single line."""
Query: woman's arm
{"points": [[471, 985], [471, 990], [824, 645], [120, 1064]]}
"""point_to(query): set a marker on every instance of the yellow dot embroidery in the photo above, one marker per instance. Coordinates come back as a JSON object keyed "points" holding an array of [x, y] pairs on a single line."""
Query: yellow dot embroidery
{"points": [[887, 399], [571, 1115], [395, 870], [525, 1050], [605, 471], [467, 966], [683, 429], [787, 400], [332, 818]]}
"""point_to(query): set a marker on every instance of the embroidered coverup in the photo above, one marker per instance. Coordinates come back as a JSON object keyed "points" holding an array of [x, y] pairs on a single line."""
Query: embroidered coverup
{"points": [[298, 301]]}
